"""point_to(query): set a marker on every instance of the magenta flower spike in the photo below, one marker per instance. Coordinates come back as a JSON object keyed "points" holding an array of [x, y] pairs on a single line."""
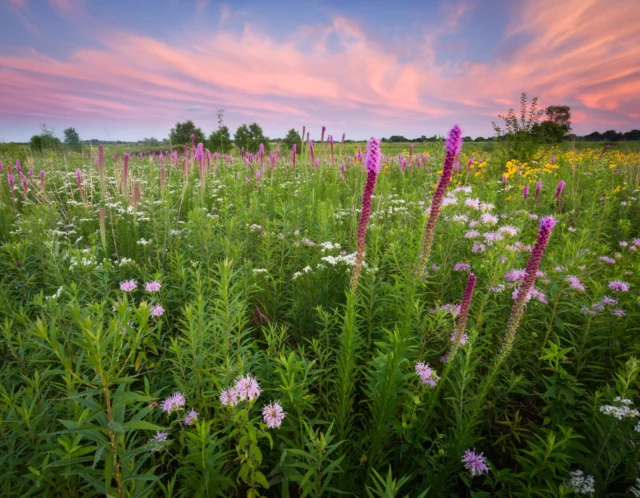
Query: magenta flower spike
{"points": [[372, 164], [42, 179], [311, 152], [1, 166], [193, 140], [293, 155], [11, 180], [100, 160], [505, 180], [410, 151], [538, 189], [24, 186], [456, 166], [464, 314], [162, 176], [453, 146], [79, 179], [559, 189], [553, 159], [525, 191], [523, 294], [18, 165]]}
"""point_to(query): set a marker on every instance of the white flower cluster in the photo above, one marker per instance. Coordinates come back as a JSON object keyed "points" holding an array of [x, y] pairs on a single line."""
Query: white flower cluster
{"points": [[581, 484], [621, 409], [328, 246], [126, 261], [260, 270], [55, 296], [635, 490]]}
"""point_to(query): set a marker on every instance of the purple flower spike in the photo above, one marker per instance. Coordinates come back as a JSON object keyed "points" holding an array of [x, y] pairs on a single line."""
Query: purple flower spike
{"points": [[372, 164], [559, 189], [453, 146], [538, 189]]}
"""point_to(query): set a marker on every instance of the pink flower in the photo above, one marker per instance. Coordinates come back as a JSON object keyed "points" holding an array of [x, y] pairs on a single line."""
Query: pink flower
{"points": [[173, 402], [462, 267], [191, 417], [152, 286], [619, 286], [229, 397], [128, 285], [247, 388], [157, 311], [475, 463], [427, 374], [273, 415]]}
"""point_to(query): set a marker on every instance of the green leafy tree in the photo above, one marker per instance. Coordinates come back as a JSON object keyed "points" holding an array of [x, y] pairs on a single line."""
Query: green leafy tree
{"points": [[45, 140], [71, 137], [182, 132], [293, 137], [560, 115], [250, 137], [548, 132], [516, 135], [220, 140]]}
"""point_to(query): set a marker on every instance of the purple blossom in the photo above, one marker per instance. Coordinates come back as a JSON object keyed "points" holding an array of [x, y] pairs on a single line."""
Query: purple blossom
{"points": [[427, 374], [160, 437], [157, 311], [538, 189], [153, 286], [229, 397], [574, 283], [128, 285], [618, 312], [191, 417], [515, 275], [471, 234], [173, 403], [559, 189], [247, 388], [372, 164], [525, 191], [273, 415], [453, 145], [607, 259], [462, 267], [618, 286], [475, 463]]}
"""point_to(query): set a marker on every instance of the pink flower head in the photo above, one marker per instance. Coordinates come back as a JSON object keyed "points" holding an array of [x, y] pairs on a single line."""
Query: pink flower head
{"points": [[538, 189], [559, 189], [247, 388], [273, 415], [157, 311], [525, 191], [427, 374], [475, 463], [454, 140], [128, 285], [462, 267], [191, 417], [173, 402], [464, 338], [618, 286], [373, 156], [153, 286], [229, 397]]}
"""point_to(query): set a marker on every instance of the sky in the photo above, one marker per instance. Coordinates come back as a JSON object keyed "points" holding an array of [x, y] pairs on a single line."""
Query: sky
{"points": [[126, 70]]}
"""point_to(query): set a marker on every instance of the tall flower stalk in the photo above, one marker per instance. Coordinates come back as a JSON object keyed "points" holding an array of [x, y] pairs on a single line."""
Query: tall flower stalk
{"points": [[372, 163], [463, 316], [538, 189], [453, 145], [524, 292]]}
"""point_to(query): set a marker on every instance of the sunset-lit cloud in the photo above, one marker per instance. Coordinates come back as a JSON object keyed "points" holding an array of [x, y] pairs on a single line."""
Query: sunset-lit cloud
{"points": [[338, 70]]}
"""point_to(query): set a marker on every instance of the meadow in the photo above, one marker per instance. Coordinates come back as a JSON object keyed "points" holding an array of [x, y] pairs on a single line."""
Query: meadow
{"points": [[428, 320]]}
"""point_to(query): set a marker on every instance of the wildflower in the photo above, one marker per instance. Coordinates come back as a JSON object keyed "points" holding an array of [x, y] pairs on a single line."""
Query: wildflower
{"points": [[623, 243], [372, 163], [621, 409], [452, 146], [607, 259], [574, 283], [128, 285], [559, 189], [229, 397], [152, 286], [427, 374], [489, 219], [581, 484], [546, 226], [475, 463], [444, 358], [462, 267], [618, 312], [515, 275], [459, 337], [525, 191], [609, 300], [471, 234], [538, 189], [273, 415], [508, 230], [247, 388], [160, 437], [173, 402], [191, 417], [618, 286], [157, 311], [478, 247]]}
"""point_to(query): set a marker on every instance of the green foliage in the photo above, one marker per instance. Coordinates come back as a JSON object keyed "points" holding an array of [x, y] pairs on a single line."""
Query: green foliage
{"points": [[254, 281], [181, 134], [293, 137], [71, 137], [46, 140], [250, 137], [220, 140]]}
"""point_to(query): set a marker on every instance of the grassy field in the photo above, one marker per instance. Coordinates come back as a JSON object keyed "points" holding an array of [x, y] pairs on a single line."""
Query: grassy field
{"points": [[193, 328]]}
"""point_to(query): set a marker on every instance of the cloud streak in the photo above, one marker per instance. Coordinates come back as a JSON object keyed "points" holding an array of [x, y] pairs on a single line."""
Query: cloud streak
{"points": [[580, 52]]}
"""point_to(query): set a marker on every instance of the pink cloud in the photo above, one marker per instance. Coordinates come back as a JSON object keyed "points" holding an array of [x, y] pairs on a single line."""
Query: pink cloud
{"points": [[580, 52]]}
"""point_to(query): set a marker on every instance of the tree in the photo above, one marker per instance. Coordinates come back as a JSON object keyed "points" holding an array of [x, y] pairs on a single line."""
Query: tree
{"points": [[560, 115], [549, 132], [293, 137], [45, 140], [71, 137], [250, 137], [181, 134], [517, 137], [220, 140]]}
